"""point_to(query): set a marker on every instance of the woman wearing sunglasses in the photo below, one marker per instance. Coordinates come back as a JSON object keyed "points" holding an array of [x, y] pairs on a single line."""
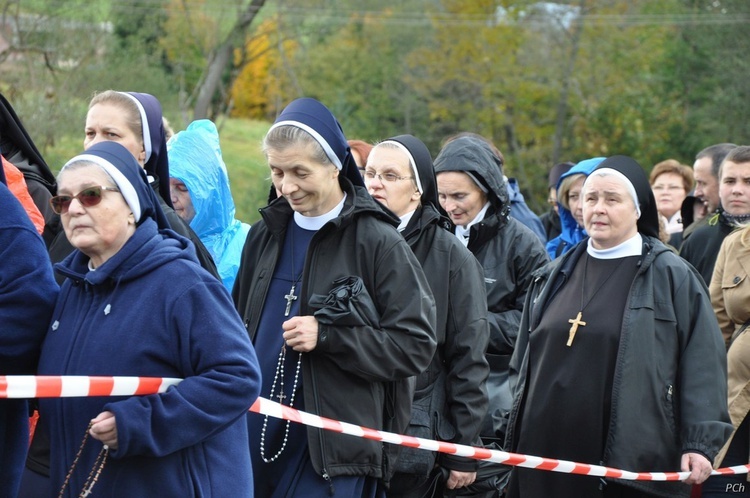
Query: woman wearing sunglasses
{"points": [[135, 302]]}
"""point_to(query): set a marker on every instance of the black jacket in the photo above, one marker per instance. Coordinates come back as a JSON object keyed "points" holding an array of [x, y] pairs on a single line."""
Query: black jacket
{"points": [[347, 375], [669, 390], [509, 253], [459, 366], [702, 247]]}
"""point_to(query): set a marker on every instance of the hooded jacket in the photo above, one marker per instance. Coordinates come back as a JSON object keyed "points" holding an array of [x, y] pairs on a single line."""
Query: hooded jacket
{"points": [[19, 149], [520, 210], [570, 232], [27, 297], [669, 384], [509, 253], [195, 159], [347, 375], [150, 310], [451, 400]]}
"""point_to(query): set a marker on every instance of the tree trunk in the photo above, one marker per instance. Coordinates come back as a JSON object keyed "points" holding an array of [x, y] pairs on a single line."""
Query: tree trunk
{"points": [[221, 57]]}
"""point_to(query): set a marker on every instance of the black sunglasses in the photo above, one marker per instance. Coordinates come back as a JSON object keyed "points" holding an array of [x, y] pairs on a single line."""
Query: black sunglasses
{"points": [[87, 197]]}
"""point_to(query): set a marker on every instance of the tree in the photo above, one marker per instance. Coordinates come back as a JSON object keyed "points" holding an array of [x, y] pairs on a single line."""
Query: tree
{"points": [[199, 43], [707, 68], [260, 84]]}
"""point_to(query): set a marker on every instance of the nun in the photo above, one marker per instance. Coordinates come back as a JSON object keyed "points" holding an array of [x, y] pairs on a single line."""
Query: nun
{"points": [[339, 311], [619, 359], [135, 121], [135, 302], [451, 394]]}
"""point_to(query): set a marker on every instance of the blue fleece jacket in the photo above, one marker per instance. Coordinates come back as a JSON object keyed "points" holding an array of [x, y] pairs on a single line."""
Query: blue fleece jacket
{"points": [[27, 296], [151, 310], [571, 232]]}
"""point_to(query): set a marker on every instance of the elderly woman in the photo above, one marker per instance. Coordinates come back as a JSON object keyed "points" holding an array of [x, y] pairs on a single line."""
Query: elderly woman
{"points": [[671, 182], [451, 397], [201, 196], [646, 394], [570, 207], [137, 303], [338, 309]]}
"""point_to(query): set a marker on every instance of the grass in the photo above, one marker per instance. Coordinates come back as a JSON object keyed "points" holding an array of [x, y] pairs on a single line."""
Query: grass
{"points": [[248, 172], [240, 147]]}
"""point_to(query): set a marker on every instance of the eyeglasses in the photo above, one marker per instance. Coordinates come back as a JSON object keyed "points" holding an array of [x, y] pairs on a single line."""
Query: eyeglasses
{"points": [[87, 197], [389, 177]]}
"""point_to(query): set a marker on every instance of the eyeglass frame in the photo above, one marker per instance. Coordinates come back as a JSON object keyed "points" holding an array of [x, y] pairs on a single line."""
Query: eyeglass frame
{"points": [[64, 209], [384, 176]]}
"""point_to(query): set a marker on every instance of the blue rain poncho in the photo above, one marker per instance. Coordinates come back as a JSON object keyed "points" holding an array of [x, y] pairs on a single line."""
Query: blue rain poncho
{"points": [[195, 159]]}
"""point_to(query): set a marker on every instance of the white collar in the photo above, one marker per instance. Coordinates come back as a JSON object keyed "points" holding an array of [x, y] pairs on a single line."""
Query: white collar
{"points": [[463, 233], [315, 223], [405, 219], [631, 247]]}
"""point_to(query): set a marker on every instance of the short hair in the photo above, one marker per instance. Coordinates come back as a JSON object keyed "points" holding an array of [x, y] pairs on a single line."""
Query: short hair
{"points": [[738, 155], [565, 186], [673, 166], [124, 102], [285, 136], [717, 153], [362, 149]]}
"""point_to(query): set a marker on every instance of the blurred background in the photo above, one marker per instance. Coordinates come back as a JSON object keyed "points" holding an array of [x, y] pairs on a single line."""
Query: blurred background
{"points": [[546, 81]]}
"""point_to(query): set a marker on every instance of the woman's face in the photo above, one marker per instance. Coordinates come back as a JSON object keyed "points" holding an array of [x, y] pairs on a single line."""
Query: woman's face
{"points": [[181, 200], [609, 212], [574, 200], [106, 121], [311, 188], [669, 192], [461, 198], [399, 194], [734, 188], [98, 231]]}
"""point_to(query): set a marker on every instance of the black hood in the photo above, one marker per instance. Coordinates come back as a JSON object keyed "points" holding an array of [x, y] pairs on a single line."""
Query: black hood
{"points": [[17, 147], [474, 156]]}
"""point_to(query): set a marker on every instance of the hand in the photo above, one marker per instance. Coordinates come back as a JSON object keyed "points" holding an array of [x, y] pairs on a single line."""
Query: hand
{"points": [[104, 429], [698, 466], [301, 333], [460, 479]]}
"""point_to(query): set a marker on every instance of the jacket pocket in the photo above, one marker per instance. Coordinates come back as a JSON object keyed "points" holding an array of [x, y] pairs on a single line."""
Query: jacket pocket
{"points": [[415, 461], [670, 407]]}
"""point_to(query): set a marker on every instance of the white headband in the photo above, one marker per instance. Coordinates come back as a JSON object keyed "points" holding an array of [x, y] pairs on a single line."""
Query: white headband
{"points": [[476, 180], [621, 177], [144, 125], [412, 163], [318, 138], [126, 188]]}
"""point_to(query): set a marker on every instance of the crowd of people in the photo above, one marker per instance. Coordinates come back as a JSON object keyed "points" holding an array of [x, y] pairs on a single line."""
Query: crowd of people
{"points": [[380, 288]]}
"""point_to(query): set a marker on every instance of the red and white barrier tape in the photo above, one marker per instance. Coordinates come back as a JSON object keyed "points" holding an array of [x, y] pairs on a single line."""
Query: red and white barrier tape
{"points": [[29, 386], [63, 386]]}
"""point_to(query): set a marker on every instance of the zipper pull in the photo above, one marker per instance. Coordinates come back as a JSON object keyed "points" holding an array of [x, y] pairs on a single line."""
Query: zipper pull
{"points": [[331, 489]]}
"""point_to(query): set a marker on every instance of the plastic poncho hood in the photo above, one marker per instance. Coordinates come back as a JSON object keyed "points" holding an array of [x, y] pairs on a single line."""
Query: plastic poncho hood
{"points": [[195, 159]]}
